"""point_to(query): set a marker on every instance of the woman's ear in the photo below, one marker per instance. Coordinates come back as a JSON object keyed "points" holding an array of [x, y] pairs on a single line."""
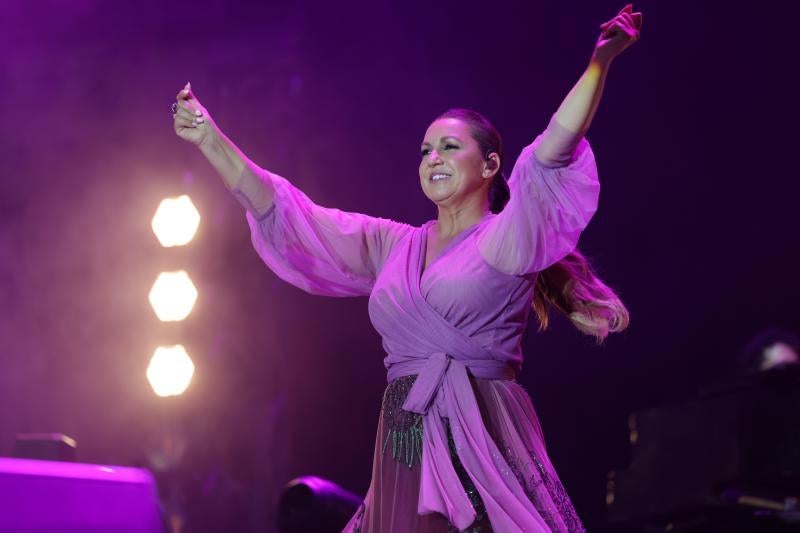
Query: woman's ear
{"points": [[491, 166]]}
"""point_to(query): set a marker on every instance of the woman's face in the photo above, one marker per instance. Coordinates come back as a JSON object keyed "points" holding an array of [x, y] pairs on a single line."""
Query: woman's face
{"points": [[452, 168]]}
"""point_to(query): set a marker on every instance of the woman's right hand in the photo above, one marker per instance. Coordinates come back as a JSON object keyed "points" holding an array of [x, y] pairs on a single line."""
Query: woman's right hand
{"points": [[192, 122]]}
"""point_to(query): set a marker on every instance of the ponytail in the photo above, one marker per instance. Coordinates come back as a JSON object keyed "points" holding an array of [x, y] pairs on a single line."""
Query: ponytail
{"points": [[572, 287]]}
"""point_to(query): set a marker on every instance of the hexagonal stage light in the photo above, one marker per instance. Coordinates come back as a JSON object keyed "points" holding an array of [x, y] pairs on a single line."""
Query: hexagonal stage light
{"points": [[173, 296], [175, 221], [170, 370]]}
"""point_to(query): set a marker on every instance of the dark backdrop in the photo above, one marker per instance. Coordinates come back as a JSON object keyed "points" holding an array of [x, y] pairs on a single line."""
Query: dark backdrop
{"points": [[697, 228]]}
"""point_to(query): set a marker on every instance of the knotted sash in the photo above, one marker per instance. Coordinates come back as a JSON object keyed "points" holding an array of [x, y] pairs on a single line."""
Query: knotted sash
{"points": [[443, 390]]}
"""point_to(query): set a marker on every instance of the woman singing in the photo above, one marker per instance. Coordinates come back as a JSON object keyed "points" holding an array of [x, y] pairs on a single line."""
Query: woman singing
{"points": [[458, 443]]}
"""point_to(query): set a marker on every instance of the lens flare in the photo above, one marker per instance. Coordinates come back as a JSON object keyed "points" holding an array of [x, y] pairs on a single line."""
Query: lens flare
{"points": [[170, 370], [173, 296], [175, 221]]}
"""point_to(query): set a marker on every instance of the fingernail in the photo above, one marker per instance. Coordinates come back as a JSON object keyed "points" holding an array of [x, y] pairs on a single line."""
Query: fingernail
{"points": [[194, 123], [200, 120], [198, 113]]}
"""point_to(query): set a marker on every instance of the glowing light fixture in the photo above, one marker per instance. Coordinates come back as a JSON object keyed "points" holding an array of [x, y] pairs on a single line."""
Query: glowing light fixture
{"points": [[173, 296], [170, 370], [175, 221]]}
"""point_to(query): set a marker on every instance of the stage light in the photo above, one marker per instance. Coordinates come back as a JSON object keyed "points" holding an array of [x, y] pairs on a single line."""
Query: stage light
{"points": [[175, 221], [173, 296], [170, 370], [310, 503]]}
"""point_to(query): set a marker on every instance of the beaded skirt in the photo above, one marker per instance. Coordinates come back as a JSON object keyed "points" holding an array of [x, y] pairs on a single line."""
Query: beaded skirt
{"points": [[390, 505]]}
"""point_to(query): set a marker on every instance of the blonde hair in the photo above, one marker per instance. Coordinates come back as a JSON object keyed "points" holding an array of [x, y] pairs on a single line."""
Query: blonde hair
{"points": [[572, 287]]}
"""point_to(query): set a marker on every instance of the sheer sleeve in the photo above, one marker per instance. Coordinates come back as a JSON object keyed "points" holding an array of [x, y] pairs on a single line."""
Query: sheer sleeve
{"points": [[549, 205], [317, 249]]}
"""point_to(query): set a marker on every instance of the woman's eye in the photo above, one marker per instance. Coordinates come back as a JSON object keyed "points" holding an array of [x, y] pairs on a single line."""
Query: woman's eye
{"points": [[425, 152], [450, 146]]}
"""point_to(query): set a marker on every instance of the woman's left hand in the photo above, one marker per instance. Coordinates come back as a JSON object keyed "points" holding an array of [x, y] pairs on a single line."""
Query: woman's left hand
{"points": [[618, 34]]}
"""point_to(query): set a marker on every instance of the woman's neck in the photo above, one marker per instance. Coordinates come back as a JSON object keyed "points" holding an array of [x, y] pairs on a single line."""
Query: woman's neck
{"points": [[452, 221]]}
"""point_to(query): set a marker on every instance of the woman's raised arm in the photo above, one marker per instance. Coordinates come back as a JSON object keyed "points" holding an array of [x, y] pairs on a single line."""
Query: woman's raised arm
{"points": [[320, 250], [574, 116], [194, 124], [554, 185]]}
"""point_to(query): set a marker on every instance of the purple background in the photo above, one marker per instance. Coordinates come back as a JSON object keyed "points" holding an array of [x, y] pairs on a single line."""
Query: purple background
{"points": [[697, 227]]}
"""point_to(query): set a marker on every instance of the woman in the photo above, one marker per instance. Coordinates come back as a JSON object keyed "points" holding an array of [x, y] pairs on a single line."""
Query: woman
{"points": [[458, 442]]}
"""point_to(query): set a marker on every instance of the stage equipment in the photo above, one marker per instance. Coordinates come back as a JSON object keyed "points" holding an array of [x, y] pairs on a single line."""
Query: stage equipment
{"points": [[47, 446], [314, 505], [58, 497], [734, 450]]}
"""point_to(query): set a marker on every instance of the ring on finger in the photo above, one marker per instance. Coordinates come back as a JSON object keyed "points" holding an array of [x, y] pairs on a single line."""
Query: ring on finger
{"points": [[174, 107]]}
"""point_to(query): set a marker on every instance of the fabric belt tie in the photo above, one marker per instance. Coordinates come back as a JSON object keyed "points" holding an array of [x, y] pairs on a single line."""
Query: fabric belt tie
{"points": [[443, 381], [429, 378]]}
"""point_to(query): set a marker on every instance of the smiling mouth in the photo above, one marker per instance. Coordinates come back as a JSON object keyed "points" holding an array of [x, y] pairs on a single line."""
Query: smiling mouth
{"points": [[439, 177]]}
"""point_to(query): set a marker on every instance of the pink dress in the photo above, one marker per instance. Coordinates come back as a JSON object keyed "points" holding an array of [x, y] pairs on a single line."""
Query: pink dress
{"points": [[458, 443]]}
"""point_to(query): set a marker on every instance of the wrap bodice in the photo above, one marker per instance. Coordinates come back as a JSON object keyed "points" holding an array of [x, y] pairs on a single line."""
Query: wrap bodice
{"points": [[442, 324]]}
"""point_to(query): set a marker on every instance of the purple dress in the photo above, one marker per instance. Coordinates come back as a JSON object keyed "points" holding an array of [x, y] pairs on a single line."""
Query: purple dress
{"points": [[458, 443]]}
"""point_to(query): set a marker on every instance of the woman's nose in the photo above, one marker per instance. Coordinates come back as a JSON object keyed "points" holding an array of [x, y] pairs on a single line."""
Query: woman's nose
{"points": [[433, 158]]}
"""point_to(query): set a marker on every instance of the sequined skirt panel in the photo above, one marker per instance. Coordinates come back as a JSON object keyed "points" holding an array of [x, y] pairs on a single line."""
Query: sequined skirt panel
{"points": [[390, 505]]}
